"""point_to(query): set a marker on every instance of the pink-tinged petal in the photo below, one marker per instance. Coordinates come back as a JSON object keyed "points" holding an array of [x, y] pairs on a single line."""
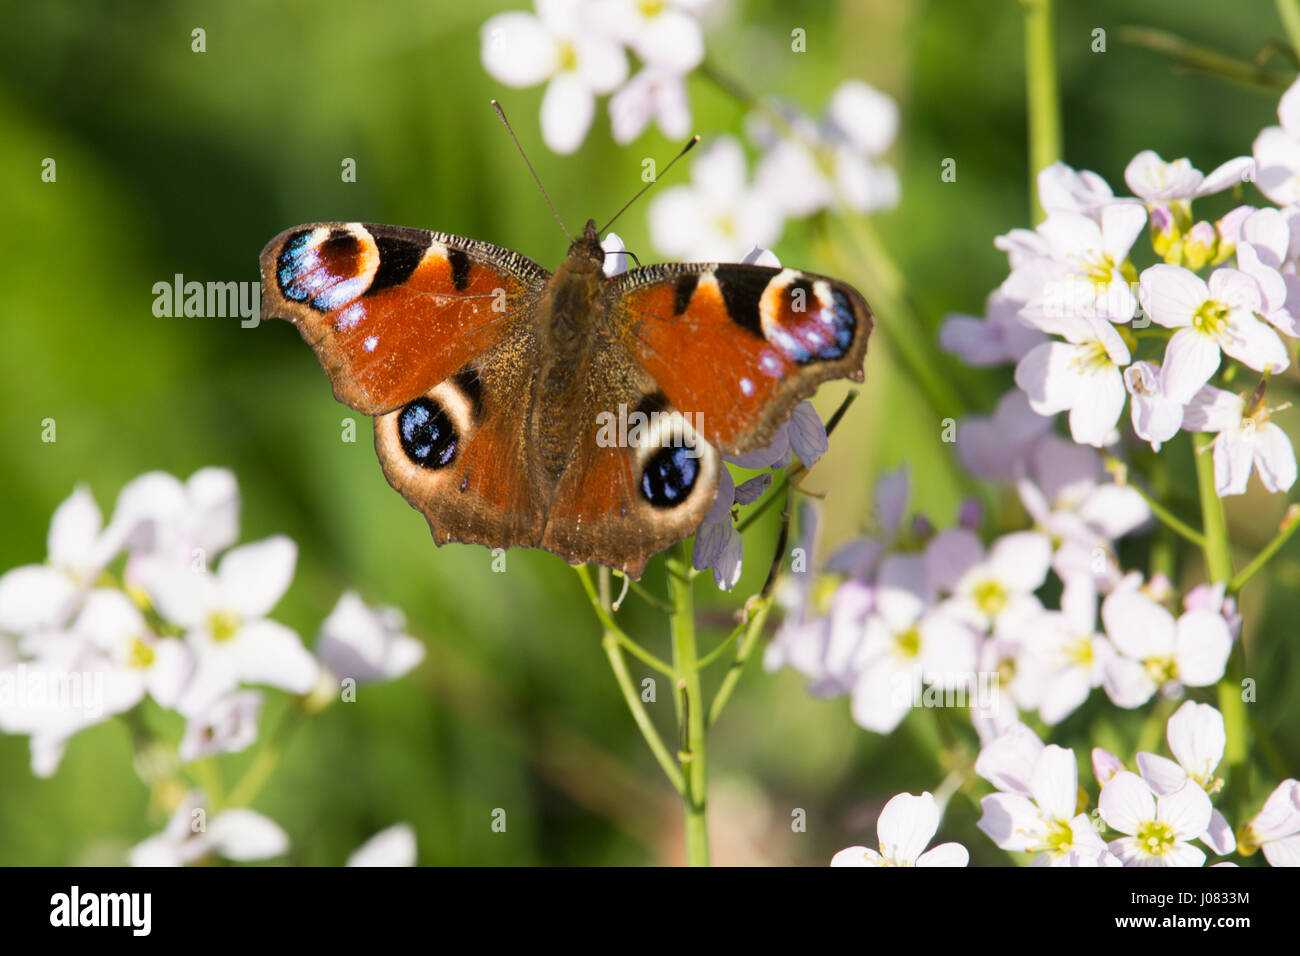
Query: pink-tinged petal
{"points": [[856, 856], [1288, 109], [1097, 408], [1104, 765], [1008, 761], [864, 115], [1255, 344], [950, 554], [1285, 852], [906, 825], [1021, 559], [602, 65], [880, 697], [395, 846], [902, 591], [726, 570], [672, 40], [1272, 286], [1047, 374], [891, 495], [1269, 233], [181, 594], [568, 108], [1126, 802], [1274, 458], [807, 434], [1203, 645], [1218, 836], [1162, 775], [518, 50], [253, 577], [1121, 224], [1234, 457], [1154, 180], [244, 835], [1186, 811], [35, 597], [228, 726], [1062, 188], [948, 648], [1182, 854], [945, 854], [1191, 358], [1225, 176], [1010, 821], [1055, 782], [1127, 683], [269, 653], [752, 489], [1196, 737], [775, 453], [1138, 626], [1277, 159], [1170, 295], [1213, 410], [172, 668], [1280, 815]]}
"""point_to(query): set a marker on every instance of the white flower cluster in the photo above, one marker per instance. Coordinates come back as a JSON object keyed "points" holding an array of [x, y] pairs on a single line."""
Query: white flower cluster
{"points": [[1089, 334], [160, 602], [579, 48]]}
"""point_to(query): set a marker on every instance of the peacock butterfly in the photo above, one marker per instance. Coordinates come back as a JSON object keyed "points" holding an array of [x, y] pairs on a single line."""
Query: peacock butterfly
{"points": [[489, 378]]}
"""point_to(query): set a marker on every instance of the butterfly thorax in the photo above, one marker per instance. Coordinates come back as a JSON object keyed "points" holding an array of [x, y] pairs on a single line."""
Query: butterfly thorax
{"points": [[568, 335]]}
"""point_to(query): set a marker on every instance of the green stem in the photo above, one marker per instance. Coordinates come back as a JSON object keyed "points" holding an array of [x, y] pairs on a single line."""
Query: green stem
{"points": [[1218, 563], [752, 634], [1042, 93], [693, 754], [1169, 518], [259, 771], [1290, 523], [1198, 58], [1218, 554], [612, 628], [642, 719]]}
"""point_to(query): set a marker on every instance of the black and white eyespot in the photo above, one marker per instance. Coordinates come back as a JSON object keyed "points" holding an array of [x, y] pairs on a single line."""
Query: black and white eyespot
{"points": [[430, 431], [675, 463]]}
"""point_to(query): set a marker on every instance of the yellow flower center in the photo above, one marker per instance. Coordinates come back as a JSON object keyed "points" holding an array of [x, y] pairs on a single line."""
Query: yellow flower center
{"points": [[568, 57], [223, 625], [990, 597], [1160, 669], [139, 654], [1079, 652], [1091, 357], [1059, 837], [1211, 318], [1155, 837], [651, 8], [908, 643]]}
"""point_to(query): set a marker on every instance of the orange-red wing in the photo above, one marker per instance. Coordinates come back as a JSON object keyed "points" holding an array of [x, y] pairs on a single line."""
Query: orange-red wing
{"points": [[740, 345], [393, 311]]}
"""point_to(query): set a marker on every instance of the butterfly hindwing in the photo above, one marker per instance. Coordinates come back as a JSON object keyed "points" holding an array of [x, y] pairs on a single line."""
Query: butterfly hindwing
{"points": [[392, 311], [741, 345]]}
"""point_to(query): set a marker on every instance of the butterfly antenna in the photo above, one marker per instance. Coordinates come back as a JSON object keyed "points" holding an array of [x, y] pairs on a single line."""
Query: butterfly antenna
{"points": [[537, 179], [640, 192]]}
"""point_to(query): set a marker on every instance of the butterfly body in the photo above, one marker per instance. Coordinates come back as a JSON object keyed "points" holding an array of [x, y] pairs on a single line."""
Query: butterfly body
{"points": [[495, 385]]}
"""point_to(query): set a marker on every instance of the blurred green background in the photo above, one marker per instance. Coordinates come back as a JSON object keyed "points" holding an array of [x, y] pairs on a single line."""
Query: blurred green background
{"points": [[171, 161]]}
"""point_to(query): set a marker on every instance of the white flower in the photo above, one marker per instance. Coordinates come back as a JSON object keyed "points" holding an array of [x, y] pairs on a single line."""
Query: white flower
{"points": [[1247, 440], [365, 643], [718, 545], [1070, 654], [719, 216], [1277, 152], [1000, 338], [1263, 251], [652, 94], [224, 615], [1156, 416], [1209, 317], [1197, 739], [1081, 375], [660, 32], [1043, 821], [1062, 189], [137, 660], [394, 846], [188, 523], [813, 165], [999, 446], [228, 725], [1000, 588], [1156, 651], [1276, 828], [557, 44], [43, 596], [1155, 181], [1082, 270], [238, 834], [1158, 827], [906, 643], [905, 827]]}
